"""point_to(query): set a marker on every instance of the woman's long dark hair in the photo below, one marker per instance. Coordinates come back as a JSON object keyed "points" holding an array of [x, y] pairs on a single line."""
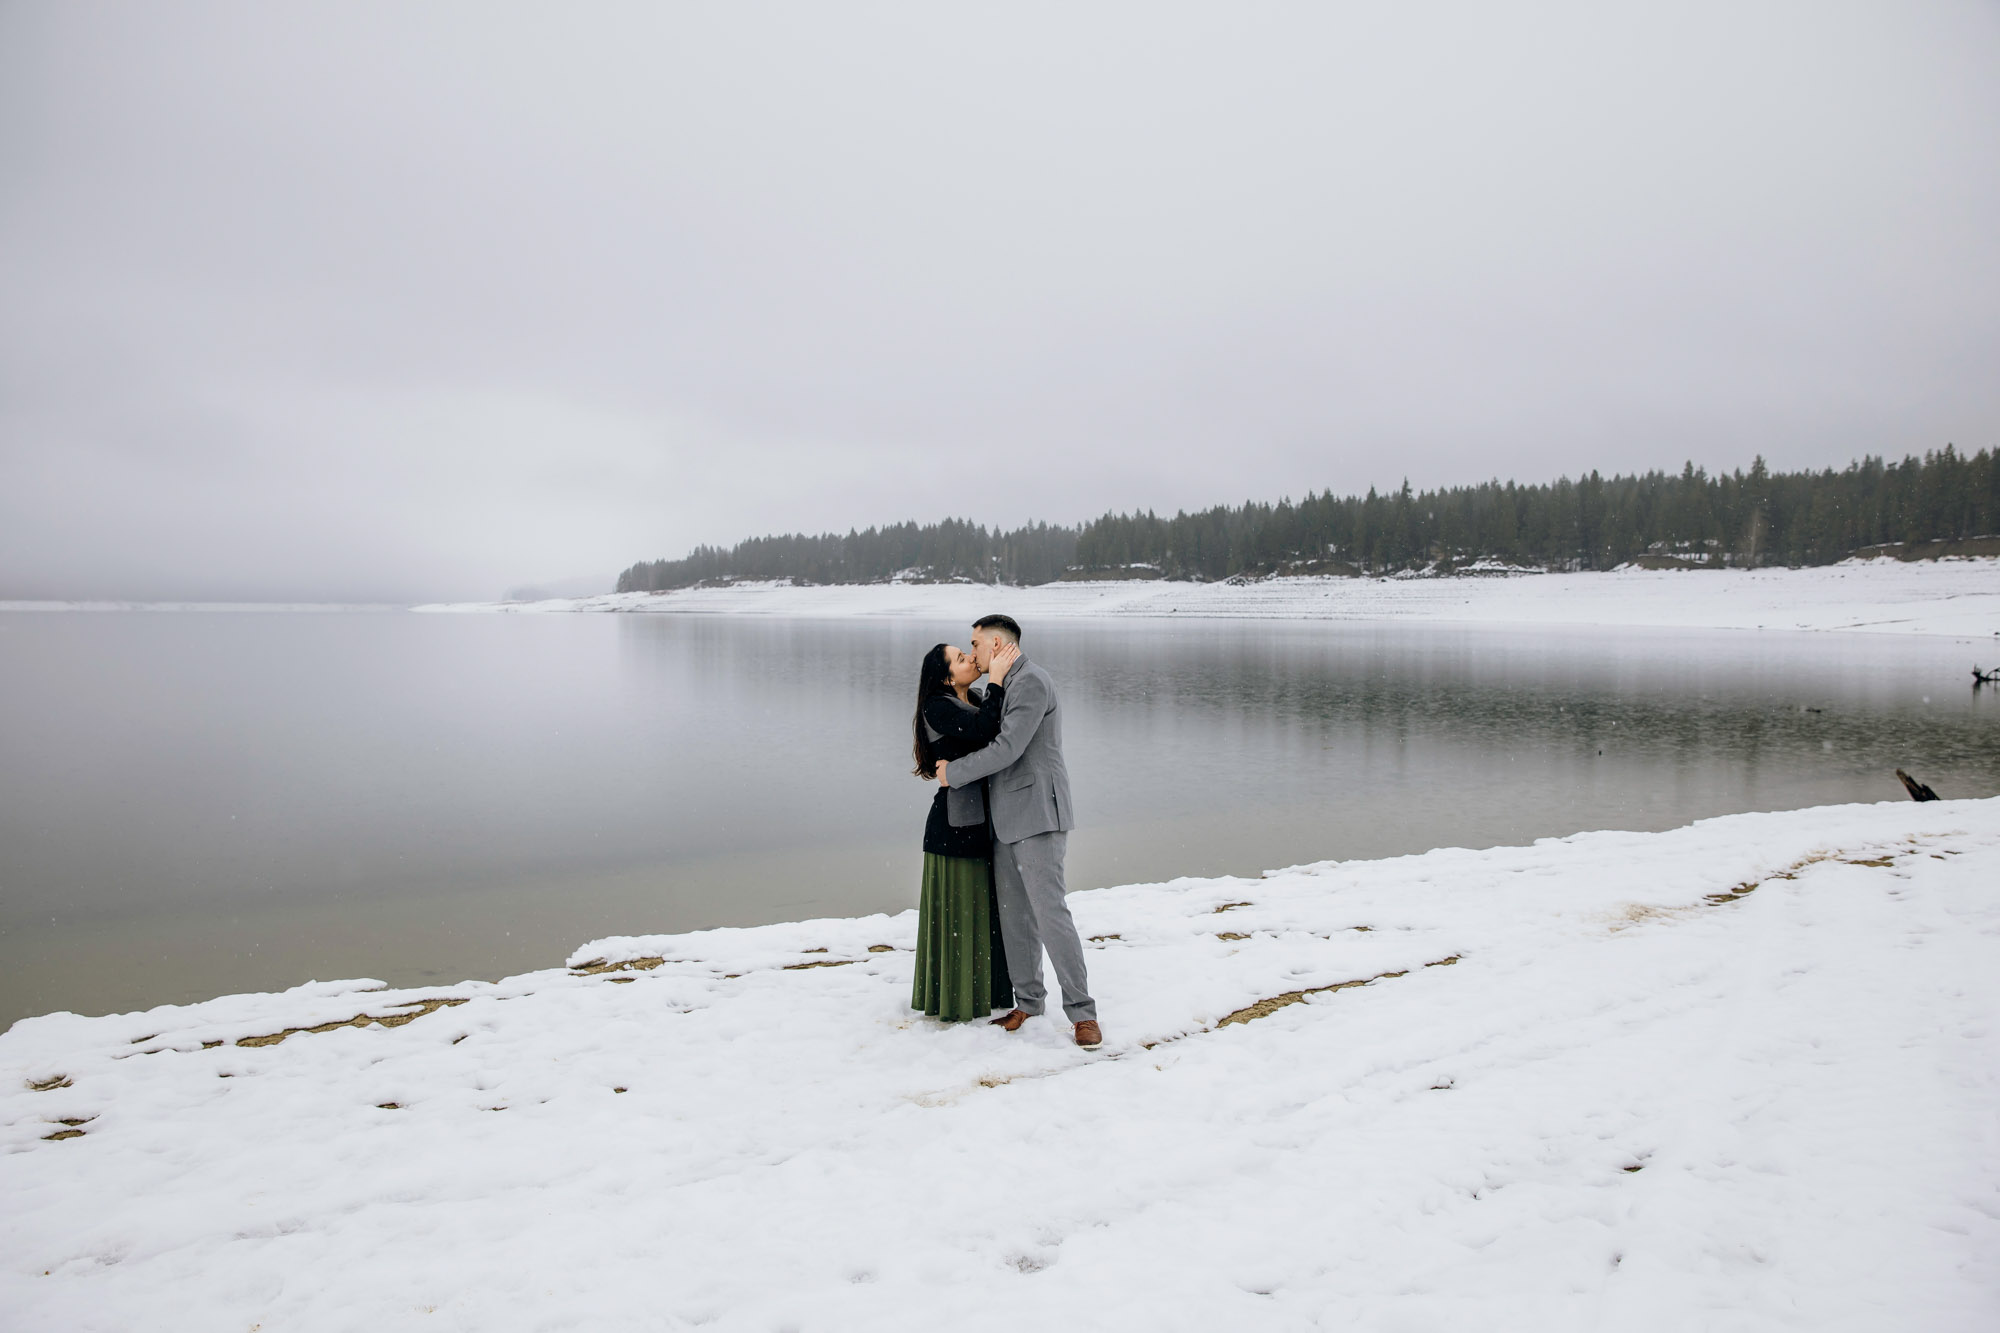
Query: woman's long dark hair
{"points": [[934, 679]]}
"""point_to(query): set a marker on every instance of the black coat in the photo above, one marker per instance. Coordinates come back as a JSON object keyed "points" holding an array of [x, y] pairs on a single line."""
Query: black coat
{"points": [[962, 730]]}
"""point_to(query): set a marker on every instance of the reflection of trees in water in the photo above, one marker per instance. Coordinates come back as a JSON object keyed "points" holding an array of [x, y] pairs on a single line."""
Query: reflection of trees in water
{"points": [[719, 662], [1368, 699], [1375, 695]]}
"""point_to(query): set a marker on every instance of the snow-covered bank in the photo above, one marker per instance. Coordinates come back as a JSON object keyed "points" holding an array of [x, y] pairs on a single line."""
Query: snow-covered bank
{"points": [[1955, 596], [1741, 1075]]}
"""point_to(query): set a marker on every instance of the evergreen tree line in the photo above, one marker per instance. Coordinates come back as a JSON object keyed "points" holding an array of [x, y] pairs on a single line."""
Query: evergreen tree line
{"points": [[1741, 518], [953, 549]]}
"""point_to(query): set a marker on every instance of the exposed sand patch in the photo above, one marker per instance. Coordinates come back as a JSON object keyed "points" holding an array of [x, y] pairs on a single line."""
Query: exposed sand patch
{"points": [[418, 1008]]}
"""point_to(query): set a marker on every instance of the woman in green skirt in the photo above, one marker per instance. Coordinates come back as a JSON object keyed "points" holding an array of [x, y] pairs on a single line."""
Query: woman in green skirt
{"points": [[961, 964]]}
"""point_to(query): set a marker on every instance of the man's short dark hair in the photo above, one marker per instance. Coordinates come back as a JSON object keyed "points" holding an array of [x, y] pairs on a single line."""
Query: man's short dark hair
{"points": [[1005, 623]]}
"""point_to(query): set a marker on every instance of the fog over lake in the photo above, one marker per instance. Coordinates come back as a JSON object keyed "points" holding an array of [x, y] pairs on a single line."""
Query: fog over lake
{"points": [[198, 803], [391, 303]]}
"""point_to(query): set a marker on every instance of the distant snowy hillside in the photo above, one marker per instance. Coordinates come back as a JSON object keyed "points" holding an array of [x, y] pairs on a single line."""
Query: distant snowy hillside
{"points": [[1953, 596]]}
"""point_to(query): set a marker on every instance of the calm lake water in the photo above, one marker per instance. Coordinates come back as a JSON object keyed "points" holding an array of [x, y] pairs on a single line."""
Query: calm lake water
{"points": [[196, 803]]}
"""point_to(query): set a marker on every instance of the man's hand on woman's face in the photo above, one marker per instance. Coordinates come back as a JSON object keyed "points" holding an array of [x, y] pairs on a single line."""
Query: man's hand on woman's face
{"points": [[1004, 657]]}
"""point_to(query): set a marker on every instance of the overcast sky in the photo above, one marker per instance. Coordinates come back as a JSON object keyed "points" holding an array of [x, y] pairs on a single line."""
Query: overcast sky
{"points": [[410, 301]]}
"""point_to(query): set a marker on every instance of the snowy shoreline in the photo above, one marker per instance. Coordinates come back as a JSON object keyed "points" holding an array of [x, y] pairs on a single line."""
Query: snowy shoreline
{"points": [[1954, 596], [1745, 1071]]}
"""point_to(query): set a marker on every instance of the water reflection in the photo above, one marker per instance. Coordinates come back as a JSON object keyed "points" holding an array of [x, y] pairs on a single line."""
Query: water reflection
{"points": [[1384, 739], [194, 804]]}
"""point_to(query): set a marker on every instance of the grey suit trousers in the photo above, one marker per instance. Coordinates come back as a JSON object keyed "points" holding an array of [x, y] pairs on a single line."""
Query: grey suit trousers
{"points": [[1028, 880]]}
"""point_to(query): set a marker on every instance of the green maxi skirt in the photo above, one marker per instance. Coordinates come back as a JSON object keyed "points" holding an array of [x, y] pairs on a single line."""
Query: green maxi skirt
{"points": [[961, 964]]}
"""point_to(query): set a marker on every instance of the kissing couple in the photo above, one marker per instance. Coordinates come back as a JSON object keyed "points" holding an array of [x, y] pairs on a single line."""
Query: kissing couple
{"points": [[994, 843]]}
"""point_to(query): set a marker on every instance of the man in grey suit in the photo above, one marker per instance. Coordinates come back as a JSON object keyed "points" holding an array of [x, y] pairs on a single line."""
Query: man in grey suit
{"points": [[1027, 790]]}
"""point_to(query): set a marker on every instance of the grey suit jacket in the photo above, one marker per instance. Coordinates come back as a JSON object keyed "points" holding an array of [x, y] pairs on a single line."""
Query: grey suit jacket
{"points": [[1028, 783]]}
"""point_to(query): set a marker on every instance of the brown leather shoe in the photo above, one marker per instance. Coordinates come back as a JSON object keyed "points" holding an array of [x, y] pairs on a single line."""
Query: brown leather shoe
{"points": [[1012, 1021], [1088, 1035]]}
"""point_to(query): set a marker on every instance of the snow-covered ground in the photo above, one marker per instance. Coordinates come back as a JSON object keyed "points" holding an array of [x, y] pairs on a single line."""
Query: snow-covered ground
{"points": [[1742, 1075], [1958, 597]]}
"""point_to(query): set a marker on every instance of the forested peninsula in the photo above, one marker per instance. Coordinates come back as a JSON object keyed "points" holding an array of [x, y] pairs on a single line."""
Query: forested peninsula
{"points": [[1945, 503]]}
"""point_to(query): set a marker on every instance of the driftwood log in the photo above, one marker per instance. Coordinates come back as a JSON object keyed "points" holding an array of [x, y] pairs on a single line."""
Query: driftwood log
{"points": [[1917, 790], [1986, 677]]}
